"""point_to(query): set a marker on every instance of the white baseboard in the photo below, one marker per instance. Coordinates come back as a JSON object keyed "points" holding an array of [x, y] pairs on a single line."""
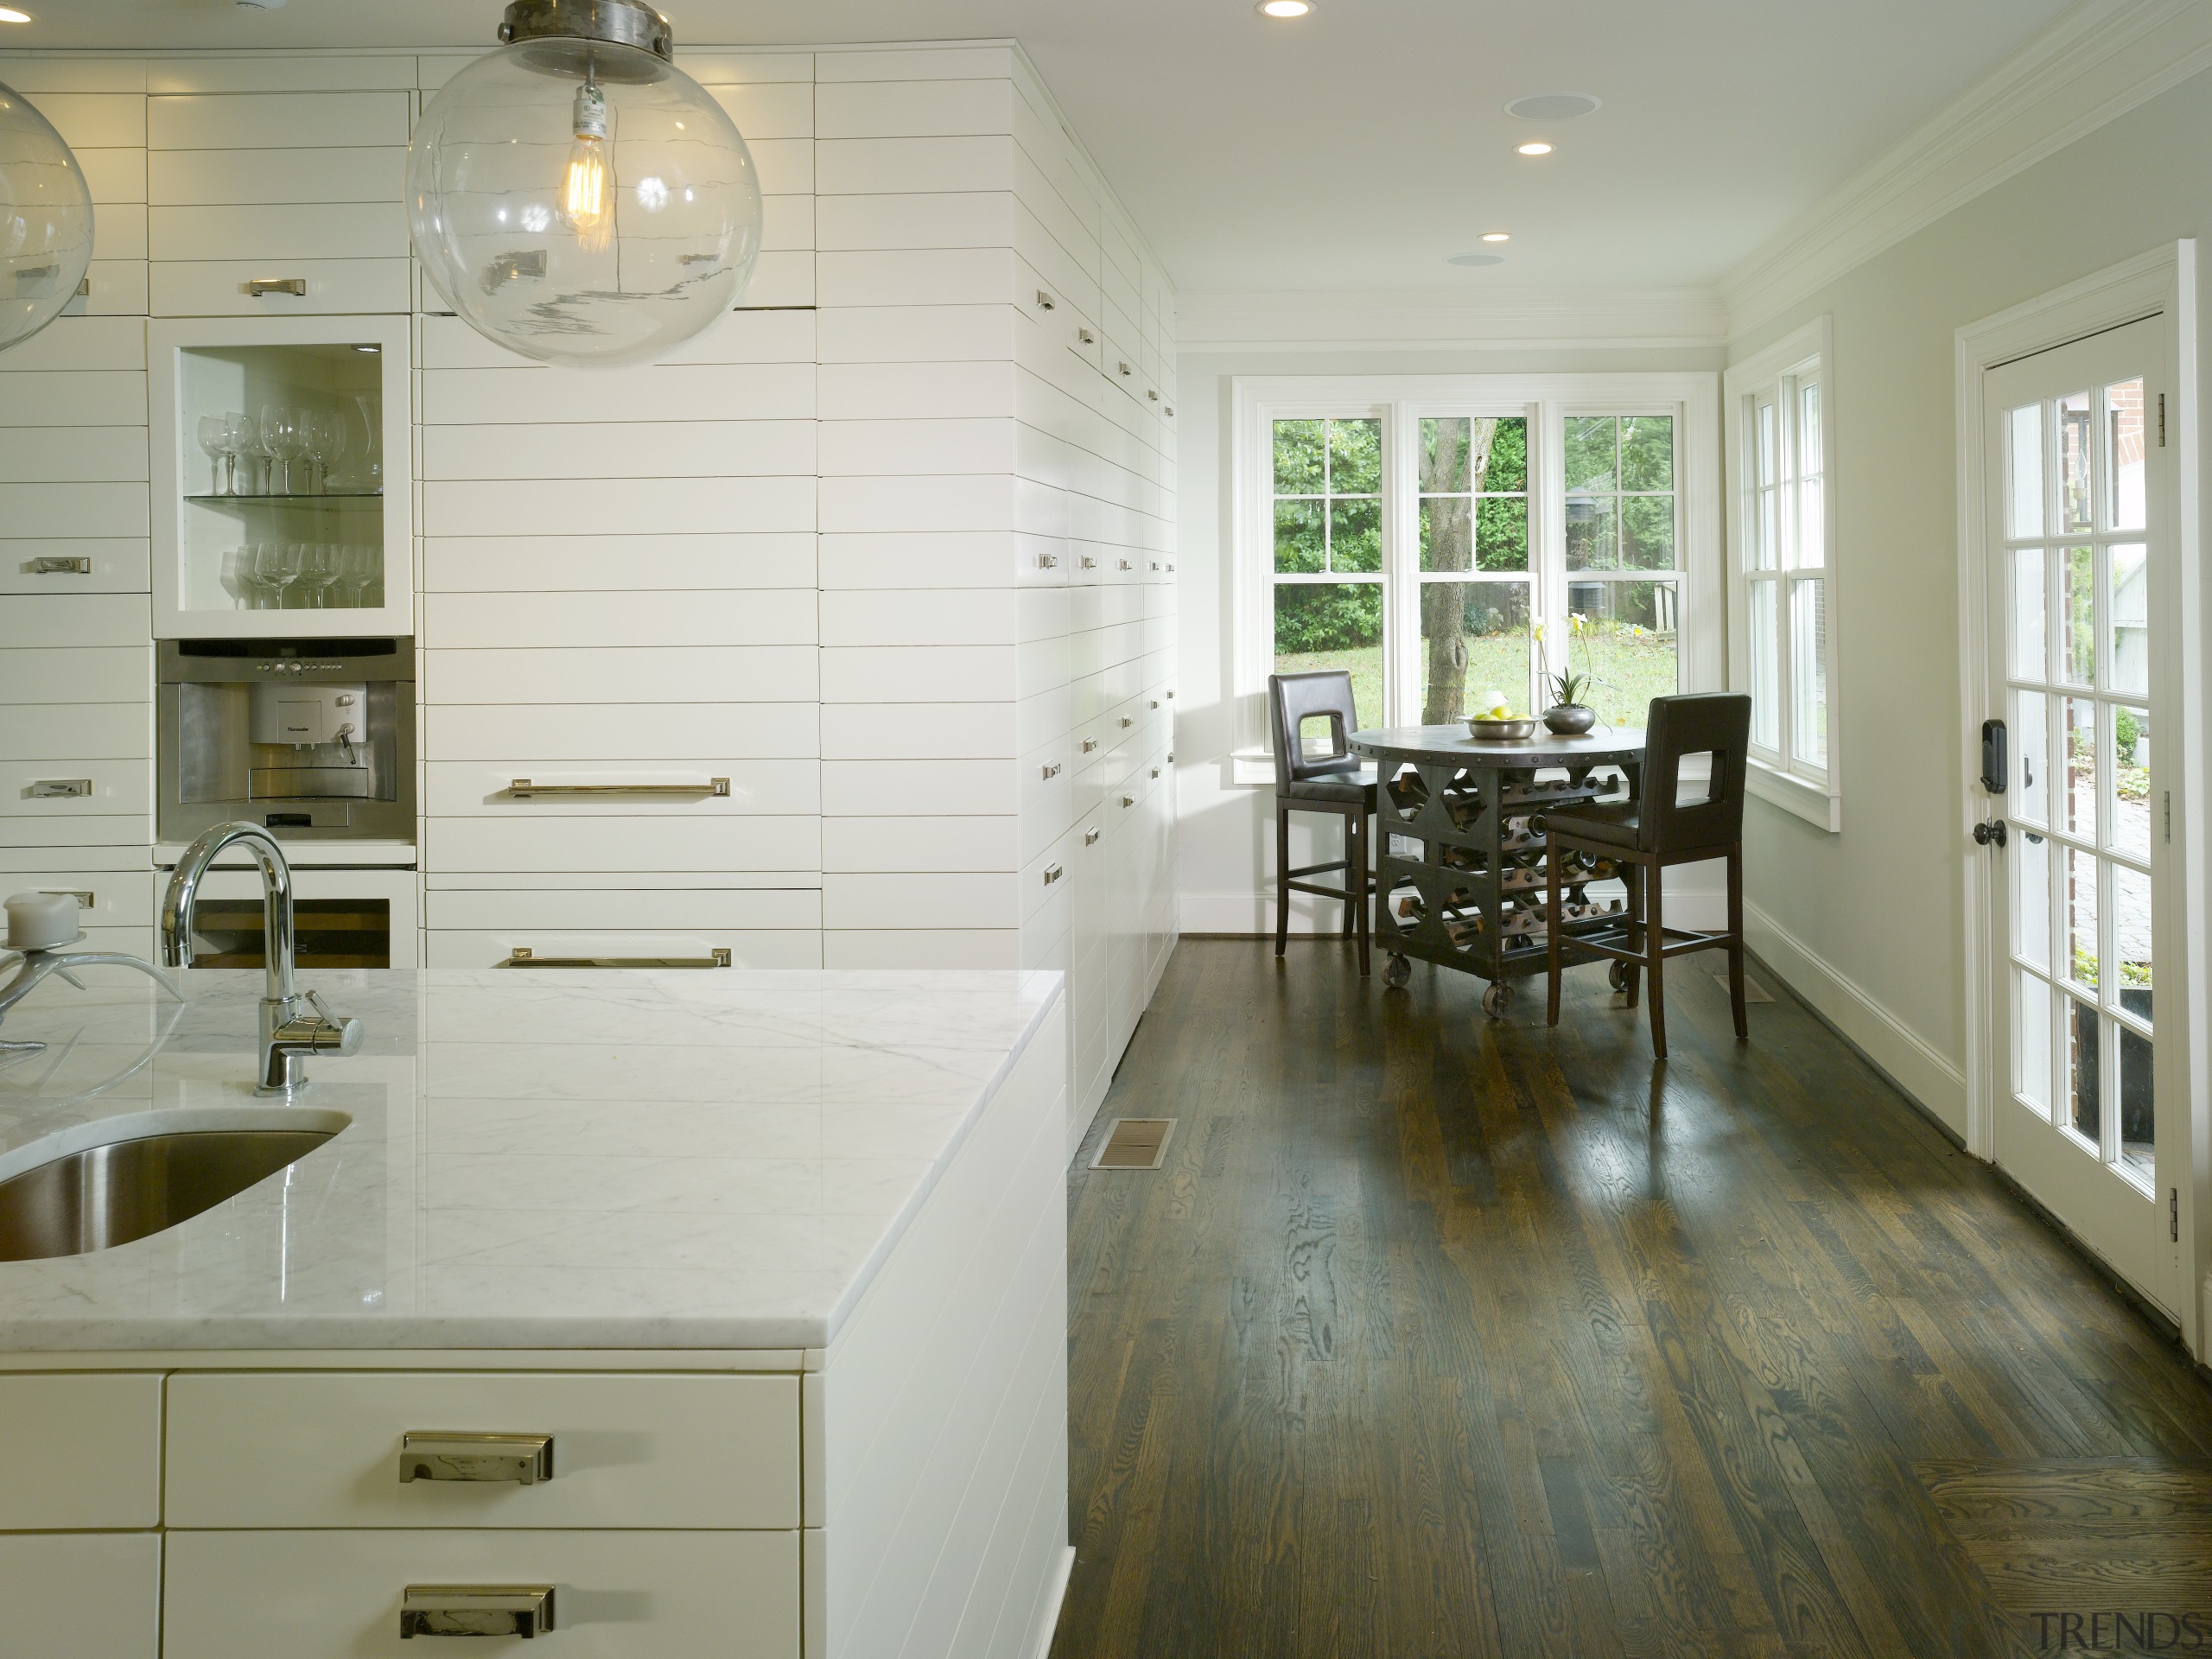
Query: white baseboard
{"points": [[1254, 913], [1912, 1062], [1049, 1623]]}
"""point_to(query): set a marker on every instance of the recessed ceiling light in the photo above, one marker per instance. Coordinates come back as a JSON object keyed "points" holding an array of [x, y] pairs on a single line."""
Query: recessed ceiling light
{"points": [[1552, 107], [1497, 236], [10, 15], [1476, 259], [1284, 7], [1534, 150]]}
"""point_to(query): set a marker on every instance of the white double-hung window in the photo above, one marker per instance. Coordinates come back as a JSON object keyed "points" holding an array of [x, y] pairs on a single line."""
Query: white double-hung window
{"points": [[1783, 572], [1449, 540]]}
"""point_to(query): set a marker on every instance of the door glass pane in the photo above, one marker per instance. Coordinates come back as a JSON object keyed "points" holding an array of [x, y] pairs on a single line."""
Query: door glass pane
{"points": [[2029, 659], [2131, 805], [2123, 456], [1299, 458], [1333, 625], [1590, 454], [2079, 898], [2138, 1153], [2077, 616], [1592, 533], [1355, 535], [2082, 1044], [2131, 939], [2079, 738], [1766, 666], [1301, 543], [2023, 459], [2031, 757], [1809, 657], [2031, 1041], [1475, 645], [2031, 901], [1355, 457], [1627, 637], [2128, 620], [2074, 461]]}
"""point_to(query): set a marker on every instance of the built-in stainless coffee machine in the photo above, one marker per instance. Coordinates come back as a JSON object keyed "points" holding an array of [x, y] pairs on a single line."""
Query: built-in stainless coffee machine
{"points": [[313, 738]]}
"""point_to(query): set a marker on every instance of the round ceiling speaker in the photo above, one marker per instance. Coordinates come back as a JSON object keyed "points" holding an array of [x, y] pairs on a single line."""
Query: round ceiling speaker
{"points": [[1552, 107]]}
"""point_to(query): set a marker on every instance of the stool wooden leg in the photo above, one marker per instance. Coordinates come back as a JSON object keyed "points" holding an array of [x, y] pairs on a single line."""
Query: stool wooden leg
{"points": [[1633, 874], [1282, 877], [1361, 882], [1352, 864], [1654, 946], [1736, 944], [1552, 931]]}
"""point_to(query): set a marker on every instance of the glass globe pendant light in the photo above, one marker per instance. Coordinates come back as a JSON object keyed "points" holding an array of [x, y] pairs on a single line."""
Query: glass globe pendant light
{"points": [[46, 221], [575, 196]]}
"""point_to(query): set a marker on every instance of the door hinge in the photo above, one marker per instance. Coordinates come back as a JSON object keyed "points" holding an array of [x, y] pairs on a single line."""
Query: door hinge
{"points": [[2162, 420], [2173, 1214]]}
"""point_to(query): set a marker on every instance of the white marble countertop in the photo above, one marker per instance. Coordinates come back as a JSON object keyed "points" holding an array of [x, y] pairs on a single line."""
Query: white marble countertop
{"points": [[560, 1160]]}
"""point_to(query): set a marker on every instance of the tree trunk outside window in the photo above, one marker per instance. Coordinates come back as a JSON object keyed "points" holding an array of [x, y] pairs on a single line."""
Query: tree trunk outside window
{"points": [[1451, 546]]}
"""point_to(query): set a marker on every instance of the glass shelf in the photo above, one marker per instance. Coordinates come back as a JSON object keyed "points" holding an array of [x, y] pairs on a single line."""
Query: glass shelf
{"points": [[292, 500]]}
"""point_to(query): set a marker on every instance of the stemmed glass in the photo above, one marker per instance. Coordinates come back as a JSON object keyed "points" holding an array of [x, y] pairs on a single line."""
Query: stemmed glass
{"points": [[326, 439], [280, 436], [237, 445], [237, 576], [318, 570], [260, 571], [212, 437], [357, 573]]}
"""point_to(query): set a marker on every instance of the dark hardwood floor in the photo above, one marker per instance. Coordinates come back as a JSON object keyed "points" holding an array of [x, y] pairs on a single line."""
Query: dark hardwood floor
{"points": [[1438, 1336]]}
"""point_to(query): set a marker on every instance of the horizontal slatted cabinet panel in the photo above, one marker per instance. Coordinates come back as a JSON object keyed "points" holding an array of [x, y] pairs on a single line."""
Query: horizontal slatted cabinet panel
{"points": [[76, 691], [251, 175], [98, 104], [771, 97], [74, 500]]}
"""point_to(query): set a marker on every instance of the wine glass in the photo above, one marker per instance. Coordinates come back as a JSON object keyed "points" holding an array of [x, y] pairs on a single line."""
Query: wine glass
{"points": [[318, 569], [211, 442], [315, 437], [237, 576], [237, 443], [280, 436], [257, 572], [357, 572]]}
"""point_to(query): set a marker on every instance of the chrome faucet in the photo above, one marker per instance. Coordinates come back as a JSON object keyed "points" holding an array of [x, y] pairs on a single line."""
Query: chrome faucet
{"points": [[294, 1025]]}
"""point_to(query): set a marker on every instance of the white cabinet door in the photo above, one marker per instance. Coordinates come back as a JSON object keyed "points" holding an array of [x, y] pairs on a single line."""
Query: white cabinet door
{"points": [[616, 1595], [81, 1595], [79, 1451]]}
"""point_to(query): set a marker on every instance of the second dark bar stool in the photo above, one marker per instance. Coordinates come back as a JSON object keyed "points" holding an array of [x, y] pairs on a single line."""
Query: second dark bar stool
{"points": [[1334, 782], [1656, 831]]}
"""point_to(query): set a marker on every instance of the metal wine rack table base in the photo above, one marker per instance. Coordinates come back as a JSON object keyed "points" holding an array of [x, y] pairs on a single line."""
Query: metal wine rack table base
{"points": [[1461, 880]]}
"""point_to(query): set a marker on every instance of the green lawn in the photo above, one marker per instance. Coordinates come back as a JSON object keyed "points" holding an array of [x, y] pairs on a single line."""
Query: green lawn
{"points": [[1629, 671]]}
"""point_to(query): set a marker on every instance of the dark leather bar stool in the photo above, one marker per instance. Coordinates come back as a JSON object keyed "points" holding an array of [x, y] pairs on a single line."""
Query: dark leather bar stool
{"points": [[1654, 831], [1335, 782]]}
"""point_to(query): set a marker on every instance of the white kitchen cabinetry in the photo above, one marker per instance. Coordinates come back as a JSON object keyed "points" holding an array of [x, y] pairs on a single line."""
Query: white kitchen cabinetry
{"points": [[82, 1595], [311, 536]]}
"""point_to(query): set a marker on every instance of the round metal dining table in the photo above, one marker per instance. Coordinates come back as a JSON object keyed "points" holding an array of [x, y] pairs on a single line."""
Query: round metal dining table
{"points": [[1460, 877]]}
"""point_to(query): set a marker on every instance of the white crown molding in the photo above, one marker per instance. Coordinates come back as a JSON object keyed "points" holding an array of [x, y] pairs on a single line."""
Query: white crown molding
{"points": [[2098, 61], [1432, 320]]}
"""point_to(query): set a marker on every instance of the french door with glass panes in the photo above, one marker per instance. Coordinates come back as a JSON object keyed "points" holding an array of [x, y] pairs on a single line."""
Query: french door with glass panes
{"points": [[2081, 582]]}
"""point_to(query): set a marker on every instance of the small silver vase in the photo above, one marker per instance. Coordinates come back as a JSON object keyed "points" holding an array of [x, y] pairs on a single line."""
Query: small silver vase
{"points": [[1570, 719]]}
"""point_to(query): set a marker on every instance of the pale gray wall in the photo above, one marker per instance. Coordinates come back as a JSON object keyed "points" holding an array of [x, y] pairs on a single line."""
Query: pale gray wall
{"points": [[1882, 905]]}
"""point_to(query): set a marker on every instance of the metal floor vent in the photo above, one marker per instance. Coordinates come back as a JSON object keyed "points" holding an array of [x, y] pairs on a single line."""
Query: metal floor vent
{"points": [[1136, 1143]]}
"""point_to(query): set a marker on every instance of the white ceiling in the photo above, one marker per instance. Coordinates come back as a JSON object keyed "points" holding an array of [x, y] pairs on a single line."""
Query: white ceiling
{"points": [[1361, 146]]}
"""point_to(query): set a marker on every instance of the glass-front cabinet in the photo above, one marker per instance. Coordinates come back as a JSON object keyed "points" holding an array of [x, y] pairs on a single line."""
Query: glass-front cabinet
{"points": [[282, 478]]}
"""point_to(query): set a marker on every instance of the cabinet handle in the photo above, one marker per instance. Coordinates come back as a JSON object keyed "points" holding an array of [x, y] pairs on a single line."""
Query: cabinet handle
{"points": [[60, 788], [1156, 703], [1170, 411], [1044, 302], [1128, 722], [85, 899], [1129, 800], [464, 1454], [1155, 771], [1150, 393], [522, 1610], [523, 957], [1050, 769], [1090, 837], [1086, 336], [84, 288], [261, 288], [52, 567], [1125, 564], [1089, 744], [1123, 367], [1048, 561], [1052, 873], [523, 790], [1171, 695], [1171, 757], [1090, 563]]}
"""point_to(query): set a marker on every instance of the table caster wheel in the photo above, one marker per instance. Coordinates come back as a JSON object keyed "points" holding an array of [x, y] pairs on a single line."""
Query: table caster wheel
{"points": [[1400, 970], [1616, 975], [1497, 998]]}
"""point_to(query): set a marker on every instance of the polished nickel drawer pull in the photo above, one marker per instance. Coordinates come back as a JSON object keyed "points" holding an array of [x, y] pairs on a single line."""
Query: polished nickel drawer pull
{"points": [[1052, 873], [1048, 561], [60, 788], [1129, 800], [461, 1454], [1089, 744], [53, 566], [523, 957], [1127, 721], [523, 790], [522, 1610], [1050, 769], [1090, 837], [261, 288]]}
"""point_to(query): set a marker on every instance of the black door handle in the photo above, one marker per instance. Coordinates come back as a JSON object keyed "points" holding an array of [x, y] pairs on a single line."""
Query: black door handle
{"points": [[1985, 833], [1993, 756]]}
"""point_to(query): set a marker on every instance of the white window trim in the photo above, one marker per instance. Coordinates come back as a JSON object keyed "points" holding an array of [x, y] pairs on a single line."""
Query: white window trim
{"points": [[1811, 351], [1547, 400]]}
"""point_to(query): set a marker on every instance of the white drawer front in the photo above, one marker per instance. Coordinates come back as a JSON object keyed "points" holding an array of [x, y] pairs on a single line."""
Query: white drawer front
{"points": [[79, 1451], [60, 788], [734, 841], [110, 899], [606, 910], [353, 230], [86, 1595], [216, 288], [336, 1595], [57, 619], [277, 121], [485, 789], [749, 948], [74, 564], [323, 1450]]}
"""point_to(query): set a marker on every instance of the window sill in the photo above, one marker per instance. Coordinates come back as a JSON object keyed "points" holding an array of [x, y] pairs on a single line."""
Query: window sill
{"points": [[1793, 794]]}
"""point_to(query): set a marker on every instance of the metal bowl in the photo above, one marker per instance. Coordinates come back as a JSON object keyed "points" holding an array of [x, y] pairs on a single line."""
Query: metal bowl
{"points": [[1503, 731]]}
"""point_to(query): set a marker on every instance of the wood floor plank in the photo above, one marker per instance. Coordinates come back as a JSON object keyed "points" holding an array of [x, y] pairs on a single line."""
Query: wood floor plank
{"points": [[1445, 1338]]}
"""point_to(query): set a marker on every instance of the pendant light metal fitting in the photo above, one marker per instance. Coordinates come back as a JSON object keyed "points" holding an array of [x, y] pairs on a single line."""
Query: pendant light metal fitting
{"points": [[616, 22]]}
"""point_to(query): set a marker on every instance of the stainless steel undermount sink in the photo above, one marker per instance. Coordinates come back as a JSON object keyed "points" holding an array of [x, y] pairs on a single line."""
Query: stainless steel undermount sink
{"points": [[100, 1196]]}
